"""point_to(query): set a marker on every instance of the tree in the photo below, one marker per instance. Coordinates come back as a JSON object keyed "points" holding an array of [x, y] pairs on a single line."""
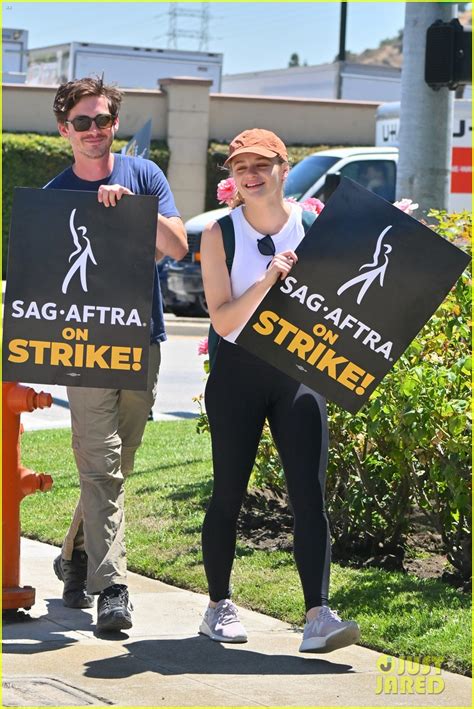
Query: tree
{"points": [[294, 60]]}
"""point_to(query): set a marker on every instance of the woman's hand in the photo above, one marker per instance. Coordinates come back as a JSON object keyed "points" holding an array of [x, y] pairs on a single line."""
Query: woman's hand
{"points": [[280, 266]]}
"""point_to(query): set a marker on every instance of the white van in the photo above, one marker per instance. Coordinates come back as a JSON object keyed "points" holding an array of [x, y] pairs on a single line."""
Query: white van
{"points": [[373, 168]]}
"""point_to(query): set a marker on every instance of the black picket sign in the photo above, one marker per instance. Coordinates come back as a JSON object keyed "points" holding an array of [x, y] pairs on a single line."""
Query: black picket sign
{"points": [[368, 278], [79, 289]]}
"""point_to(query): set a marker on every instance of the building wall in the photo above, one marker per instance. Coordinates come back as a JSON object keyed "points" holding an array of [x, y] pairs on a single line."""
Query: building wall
{"points": [[29, 109], [296, 121]]}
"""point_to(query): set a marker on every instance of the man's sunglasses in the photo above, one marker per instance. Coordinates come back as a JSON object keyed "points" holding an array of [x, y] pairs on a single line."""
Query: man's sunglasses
{"points": [[266, 246], [83, 123]]}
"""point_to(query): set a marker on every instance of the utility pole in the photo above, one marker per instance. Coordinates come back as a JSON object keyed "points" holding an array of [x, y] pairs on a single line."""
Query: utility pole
{"points": [[426, 116], [173, 26], [341, 57], [204, 36], [342, 32]]}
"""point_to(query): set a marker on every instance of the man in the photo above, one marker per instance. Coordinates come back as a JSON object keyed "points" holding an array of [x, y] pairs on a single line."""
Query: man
{"points": [[107, 424]]}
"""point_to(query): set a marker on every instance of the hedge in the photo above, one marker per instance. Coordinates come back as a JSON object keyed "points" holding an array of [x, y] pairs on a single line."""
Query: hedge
{"points": [[31, 160]]}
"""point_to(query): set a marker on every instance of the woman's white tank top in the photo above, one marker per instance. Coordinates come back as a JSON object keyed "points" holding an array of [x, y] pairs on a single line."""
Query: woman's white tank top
{"points": [[249, 264]]}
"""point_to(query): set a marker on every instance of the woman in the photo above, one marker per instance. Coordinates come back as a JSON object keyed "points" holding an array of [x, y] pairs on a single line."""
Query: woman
{"points": [[243, 390]]}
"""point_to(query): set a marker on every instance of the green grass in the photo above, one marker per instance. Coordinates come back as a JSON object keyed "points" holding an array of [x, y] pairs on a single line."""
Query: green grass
{"points": [[398, 613]]}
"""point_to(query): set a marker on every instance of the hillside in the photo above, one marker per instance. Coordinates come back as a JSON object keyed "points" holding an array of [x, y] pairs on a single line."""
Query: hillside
{"points": [[390, 51]]}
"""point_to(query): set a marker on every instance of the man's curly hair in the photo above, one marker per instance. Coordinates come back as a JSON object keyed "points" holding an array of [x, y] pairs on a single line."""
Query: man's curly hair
{"points": [[69, 94]]}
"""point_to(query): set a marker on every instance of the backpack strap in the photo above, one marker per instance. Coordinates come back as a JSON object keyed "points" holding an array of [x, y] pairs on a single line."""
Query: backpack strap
{"points": [[228, 237]]}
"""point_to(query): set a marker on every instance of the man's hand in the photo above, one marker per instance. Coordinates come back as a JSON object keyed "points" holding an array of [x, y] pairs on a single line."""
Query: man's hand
{"points": [[108, 195]]}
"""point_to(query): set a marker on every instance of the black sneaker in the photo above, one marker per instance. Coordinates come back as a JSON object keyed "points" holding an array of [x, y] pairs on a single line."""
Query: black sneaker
{"points": [[114, 609], [73, 574]]}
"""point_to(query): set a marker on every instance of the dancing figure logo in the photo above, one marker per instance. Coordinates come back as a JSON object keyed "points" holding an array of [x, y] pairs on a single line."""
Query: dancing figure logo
{"points": [[376, 269], [83, 252]]}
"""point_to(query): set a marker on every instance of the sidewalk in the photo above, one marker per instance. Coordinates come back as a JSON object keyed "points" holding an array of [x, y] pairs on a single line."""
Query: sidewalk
{"points": [[53, 658]]}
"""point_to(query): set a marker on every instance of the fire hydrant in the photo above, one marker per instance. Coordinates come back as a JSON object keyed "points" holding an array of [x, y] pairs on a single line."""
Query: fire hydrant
{"points": [[17, 483]]}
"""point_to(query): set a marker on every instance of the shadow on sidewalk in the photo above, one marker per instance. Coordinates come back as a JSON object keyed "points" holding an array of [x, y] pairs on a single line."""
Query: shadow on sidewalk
{"points": [[171, 656], [24, 635], [199, 655]]}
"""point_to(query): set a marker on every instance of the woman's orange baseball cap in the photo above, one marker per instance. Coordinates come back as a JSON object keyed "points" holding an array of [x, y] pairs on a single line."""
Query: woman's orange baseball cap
{"points": [[259, 141]]}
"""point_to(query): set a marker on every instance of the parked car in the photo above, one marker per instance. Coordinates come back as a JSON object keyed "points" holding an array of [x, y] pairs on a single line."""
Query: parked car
{"points": [[184, 277], [168, 298], [314, 176]]}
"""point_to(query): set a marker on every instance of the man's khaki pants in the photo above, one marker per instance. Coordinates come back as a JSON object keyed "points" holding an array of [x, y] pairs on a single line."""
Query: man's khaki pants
{"points": [[107, 428]]}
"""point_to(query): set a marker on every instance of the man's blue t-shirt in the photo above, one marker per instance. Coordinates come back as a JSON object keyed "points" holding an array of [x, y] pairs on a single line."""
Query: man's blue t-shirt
{"points": [[141, 176]]}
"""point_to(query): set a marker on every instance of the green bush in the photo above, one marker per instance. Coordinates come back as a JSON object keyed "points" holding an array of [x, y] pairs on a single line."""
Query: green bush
{"points": [[410, 444], [440, 387], [216, 156], [31, 160], [217, 153], [28, 161]]}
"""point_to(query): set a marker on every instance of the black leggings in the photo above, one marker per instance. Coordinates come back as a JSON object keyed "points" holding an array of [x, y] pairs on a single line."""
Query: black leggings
{"points": [[242, 390]]}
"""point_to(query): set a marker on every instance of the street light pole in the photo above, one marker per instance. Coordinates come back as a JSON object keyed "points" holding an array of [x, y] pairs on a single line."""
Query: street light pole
{"points": [[426, 116]]}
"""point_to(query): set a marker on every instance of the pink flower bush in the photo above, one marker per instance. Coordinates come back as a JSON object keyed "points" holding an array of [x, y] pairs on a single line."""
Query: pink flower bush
{"points": [[312, 205], [203, 347], [406, 205], [309, 205], [226, 191]]}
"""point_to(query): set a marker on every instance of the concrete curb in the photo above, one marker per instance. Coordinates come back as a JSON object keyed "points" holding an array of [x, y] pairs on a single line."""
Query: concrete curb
{"points": [[187, 327]]}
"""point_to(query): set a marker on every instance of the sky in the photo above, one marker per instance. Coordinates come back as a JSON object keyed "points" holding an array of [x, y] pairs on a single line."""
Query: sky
{"points": [[252, 35]]}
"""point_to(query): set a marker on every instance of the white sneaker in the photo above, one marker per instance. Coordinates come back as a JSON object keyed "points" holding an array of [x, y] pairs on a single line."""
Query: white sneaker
{"points": [[327, 632], [222, 623]]}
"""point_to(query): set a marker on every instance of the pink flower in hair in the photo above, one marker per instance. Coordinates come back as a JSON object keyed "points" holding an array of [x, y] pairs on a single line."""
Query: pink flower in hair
{"points": [[203, 347], [226, 190]]}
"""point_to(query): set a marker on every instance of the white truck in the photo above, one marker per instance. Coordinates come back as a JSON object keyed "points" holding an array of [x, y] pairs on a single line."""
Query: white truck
{"points": [[386, 135], [348, 80], [129, 67], [14, 55]]}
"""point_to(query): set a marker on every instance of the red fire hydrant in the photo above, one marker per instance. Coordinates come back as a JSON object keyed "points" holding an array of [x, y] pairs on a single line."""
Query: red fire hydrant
{"points": [[17, 483]]}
